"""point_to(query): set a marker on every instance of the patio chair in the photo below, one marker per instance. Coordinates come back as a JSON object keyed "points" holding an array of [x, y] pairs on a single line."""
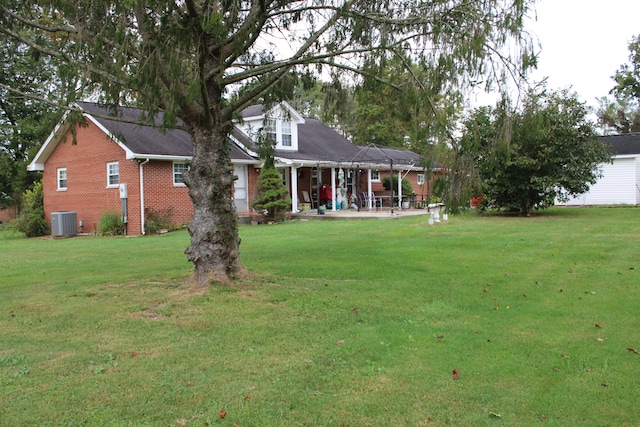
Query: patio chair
{"points": [[307, 199], [365, 197]]}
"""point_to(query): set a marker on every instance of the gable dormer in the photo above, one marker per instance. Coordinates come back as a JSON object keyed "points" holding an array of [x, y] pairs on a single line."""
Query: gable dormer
{"points": [[280, 123]]}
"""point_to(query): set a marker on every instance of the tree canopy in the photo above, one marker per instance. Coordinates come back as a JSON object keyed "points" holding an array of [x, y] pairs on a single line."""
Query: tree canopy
{"points": [[526, 158], [24, 122], [627, 77], [189, 58], [622, 114]]}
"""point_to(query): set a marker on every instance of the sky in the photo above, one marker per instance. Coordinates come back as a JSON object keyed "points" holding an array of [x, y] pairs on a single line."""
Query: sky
{"points": [[583, 43]]}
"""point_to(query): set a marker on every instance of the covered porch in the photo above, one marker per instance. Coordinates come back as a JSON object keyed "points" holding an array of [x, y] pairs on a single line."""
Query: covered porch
{"points": [[355, 183]]}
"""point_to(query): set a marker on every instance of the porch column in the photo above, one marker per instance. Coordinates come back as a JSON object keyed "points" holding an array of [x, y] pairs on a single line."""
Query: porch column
{"points": [[294, 189], [399, 188], [333, 188], [369, 191]]}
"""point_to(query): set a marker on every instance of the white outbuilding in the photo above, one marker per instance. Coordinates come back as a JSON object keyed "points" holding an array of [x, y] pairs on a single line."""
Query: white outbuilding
{"points": [[620, 181]]}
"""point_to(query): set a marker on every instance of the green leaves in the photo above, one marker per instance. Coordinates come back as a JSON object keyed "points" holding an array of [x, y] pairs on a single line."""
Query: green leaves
{"points": [[528, 157]]}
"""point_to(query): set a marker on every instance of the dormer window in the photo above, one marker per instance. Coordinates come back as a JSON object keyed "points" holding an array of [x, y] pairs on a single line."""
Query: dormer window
{"points": [[280, 132], [286, 134], [271, 130]]}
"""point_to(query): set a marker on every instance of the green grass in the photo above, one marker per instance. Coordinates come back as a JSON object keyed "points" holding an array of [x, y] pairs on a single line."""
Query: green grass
{"points": [[358, 323]]}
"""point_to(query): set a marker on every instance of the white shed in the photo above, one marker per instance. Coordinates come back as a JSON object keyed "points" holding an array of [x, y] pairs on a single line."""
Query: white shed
{"points": [[620, 182]]}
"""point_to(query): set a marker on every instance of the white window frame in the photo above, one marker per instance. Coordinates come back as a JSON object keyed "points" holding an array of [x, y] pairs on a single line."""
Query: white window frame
{"points": [[271, 130], [375, 175], [62, 175], [420, 179], [181, 173], [111, 175], [287, 139]]}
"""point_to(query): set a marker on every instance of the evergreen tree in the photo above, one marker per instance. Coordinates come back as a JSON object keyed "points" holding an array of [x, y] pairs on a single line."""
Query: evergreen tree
{"points": [[272, 197]]}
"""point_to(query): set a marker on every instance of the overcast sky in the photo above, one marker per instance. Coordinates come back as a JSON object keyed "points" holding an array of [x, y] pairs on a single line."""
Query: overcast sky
{"points": [[584, 42]]}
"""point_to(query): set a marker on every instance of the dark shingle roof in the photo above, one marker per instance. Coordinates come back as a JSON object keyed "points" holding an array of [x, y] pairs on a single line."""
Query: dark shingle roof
{"points": [[317, 141], [623, 144], [148, 140]]}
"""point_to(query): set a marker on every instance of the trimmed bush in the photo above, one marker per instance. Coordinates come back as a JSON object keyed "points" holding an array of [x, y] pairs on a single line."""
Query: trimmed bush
{"points": [[407, 188], [31, 221], [111, 224]]}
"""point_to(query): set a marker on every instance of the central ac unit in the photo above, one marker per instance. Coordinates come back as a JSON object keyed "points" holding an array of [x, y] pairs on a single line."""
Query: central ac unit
{"points": [[64, 223]]}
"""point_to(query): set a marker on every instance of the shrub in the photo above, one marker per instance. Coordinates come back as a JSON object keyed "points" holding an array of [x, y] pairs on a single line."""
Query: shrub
{"points": [[31, 221], [158, 220], [407, 188], [111, 224], [272, 197]]}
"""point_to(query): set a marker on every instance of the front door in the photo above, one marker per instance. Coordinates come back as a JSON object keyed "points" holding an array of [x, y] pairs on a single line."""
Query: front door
{"points": [[240, 192]]}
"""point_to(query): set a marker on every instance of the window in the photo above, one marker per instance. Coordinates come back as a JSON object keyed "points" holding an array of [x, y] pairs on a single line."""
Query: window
{"points": [[270, 129], [178, 173], [420, 179], [113, 174], [286, 134], [62, 178], [375, 175]]}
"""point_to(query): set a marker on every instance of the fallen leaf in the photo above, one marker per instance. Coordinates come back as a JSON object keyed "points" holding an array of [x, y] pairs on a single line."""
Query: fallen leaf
{"points": [[222, 414], [556, 369], [497, 307], [593, 293], [566, 356], [597, 325], [134, 354], [356, 310], [600, 339], [386, 409], [604, 385], [495, 415], [570, 270], [485, 290], [589, 371], [543, 418], [340, 342], [182, 422], [190, 384], [633, 350], [247, 397], [456, 374]]}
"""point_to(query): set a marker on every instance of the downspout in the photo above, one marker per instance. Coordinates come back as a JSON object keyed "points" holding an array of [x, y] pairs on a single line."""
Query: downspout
{"points": [[142, 195]]}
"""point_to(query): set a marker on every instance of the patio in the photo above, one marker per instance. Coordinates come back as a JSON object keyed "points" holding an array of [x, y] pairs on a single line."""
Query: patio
{"points": [[379, 213]]}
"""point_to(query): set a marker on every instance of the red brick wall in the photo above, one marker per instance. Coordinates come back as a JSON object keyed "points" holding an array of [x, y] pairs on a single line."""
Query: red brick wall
{"points": [[7, 215], [87, 192], [162, 196]]}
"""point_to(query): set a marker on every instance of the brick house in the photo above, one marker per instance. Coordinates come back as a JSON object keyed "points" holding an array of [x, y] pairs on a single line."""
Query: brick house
{"points": [[136, 171]]}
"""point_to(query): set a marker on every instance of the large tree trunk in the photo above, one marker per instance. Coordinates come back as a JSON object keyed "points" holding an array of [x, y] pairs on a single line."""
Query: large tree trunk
{"points": [[214, 248]]}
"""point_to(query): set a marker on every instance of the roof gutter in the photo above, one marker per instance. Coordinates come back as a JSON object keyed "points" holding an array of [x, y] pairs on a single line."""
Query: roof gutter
{"points": [[141, 166]]}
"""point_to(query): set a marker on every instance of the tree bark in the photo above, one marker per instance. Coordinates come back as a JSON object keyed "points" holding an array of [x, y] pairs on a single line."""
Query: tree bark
{"points": [[214, 248]]}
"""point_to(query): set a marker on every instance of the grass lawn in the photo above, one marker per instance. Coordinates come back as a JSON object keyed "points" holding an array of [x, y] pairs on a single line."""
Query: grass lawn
{"points": [[485, 320]]}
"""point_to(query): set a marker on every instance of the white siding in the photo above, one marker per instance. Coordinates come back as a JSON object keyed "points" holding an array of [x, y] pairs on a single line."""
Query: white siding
{"points": [[618, 185], [637, 180]]}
